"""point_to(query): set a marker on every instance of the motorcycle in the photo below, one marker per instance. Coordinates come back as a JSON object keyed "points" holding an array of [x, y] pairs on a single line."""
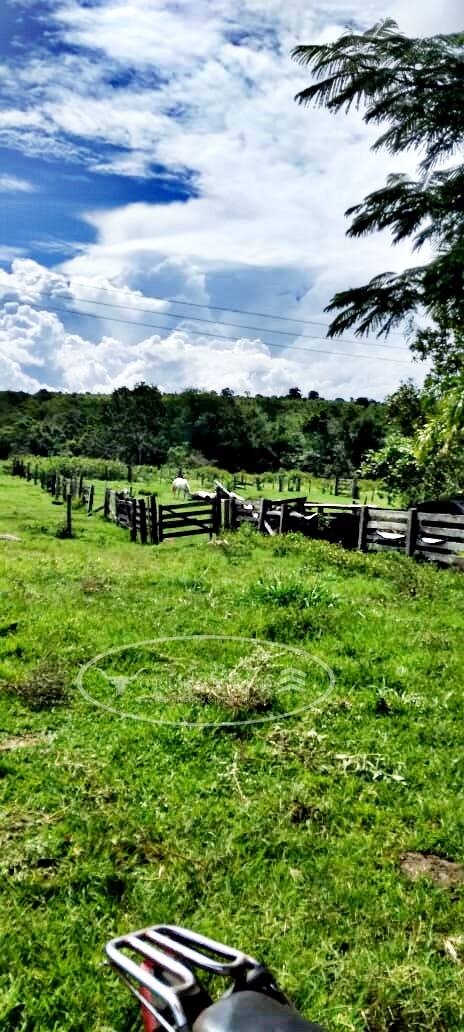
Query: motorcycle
{"points": [[161, 966]]}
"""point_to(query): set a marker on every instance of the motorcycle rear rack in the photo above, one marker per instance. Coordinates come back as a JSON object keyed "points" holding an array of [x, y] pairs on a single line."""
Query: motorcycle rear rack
{"points": [[158, 965]]}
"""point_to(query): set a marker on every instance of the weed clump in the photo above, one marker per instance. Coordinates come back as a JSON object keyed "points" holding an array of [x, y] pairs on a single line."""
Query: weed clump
{"points": [[242, 690], [42, 688], [280, 591]]}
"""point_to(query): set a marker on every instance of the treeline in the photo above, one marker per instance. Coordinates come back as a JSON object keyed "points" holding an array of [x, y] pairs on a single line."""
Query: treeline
{"points": [[233, 432]]}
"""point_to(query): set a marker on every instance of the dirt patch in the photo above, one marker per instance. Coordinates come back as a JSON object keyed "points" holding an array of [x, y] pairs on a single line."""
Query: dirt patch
{"points": [[445, 873], [93, 585], [21, 742], [9, 537], [301, 813]]}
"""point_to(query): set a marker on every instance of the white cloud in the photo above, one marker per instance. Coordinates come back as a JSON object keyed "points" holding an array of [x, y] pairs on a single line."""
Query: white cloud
{"points": [[426, 17], [14, 184], [38, 348], [206, 91]]}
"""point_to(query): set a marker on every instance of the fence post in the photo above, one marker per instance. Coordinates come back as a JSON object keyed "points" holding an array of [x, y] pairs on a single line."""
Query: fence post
{"points": [[106, 504], [69, 515], [283, 522], [411, 531], [362, 534], [133, 520], [142, 520], [154, 519], [263, 505], [90, 501], [226, 514], [217, 512], [233, 513]]}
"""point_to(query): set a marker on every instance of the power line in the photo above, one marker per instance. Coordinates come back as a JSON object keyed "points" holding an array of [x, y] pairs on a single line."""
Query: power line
{"points": [[220, 322], [216, 308], [156, 326]]}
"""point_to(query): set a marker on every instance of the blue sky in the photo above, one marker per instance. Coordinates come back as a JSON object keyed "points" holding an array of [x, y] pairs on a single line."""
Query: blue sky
{"points": [[150, 150]]}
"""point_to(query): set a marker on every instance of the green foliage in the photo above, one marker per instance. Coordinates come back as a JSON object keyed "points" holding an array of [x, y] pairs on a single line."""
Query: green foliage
{"points": [[414, 87], [440, 441], [280, 591], [423, 455], [396, 464], [202, 429]]}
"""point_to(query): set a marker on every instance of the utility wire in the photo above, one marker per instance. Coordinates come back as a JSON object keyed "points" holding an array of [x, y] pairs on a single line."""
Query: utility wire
{"points": [[220, 322], [170, 329], [223, 308]]}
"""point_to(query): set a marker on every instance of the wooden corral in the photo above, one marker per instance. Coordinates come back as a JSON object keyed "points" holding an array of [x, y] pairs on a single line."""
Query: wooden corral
{"points": [[430, 536], [422, 535]]}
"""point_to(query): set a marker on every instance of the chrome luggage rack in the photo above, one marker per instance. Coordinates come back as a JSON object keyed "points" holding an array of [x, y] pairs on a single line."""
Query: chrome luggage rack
{"points": [[158, 964]]}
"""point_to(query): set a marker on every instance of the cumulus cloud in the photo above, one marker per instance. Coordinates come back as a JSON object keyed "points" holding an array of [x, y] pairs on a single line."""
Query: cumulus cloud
{"points": [[205, 91], [40, 348]]}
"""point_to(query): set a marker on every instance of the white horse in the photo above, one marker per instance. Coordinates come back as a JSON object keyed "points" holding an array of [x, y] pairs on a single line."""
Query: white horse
{"points": [[180, 486]]}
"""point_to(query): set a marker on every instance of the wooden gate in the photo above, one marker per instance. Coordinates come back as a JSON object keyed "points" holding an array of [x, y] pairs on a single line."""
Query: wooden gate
{"points": [[187, 518]]}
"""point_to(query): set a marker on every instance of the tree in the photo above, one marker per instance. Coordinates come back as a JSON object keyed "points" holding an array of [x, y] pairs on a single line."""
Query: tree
{"points": [[405, 409], [397, 466], [414, 87]]}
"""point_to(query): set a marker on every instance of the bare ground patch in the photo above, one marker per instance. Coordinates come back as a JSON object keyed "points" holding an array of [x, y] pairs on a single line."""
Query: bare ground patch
{"points": [[22, 742], [446, 873]]}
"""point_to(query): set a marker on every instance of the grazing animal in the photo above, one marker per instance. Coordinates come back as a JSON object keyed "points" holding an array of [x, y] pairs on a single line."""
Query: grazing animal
{"points": [[180, 486]]}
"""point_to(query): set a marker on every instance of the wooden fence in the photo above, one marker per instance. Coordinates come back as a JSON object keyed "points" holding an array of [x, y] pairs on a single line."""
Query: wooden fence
{"points": [[137, 515], [152, 523], [61, 488], [347, 486], [431, 536], [425, 536], [421, 535], [268, 516], [187, 518], [291, 482]]}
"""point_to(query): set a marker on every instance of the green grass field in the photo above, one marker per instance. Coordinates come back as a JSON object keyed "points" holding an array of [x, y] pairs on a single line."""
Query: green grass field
{"points": [[283, 837]]}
